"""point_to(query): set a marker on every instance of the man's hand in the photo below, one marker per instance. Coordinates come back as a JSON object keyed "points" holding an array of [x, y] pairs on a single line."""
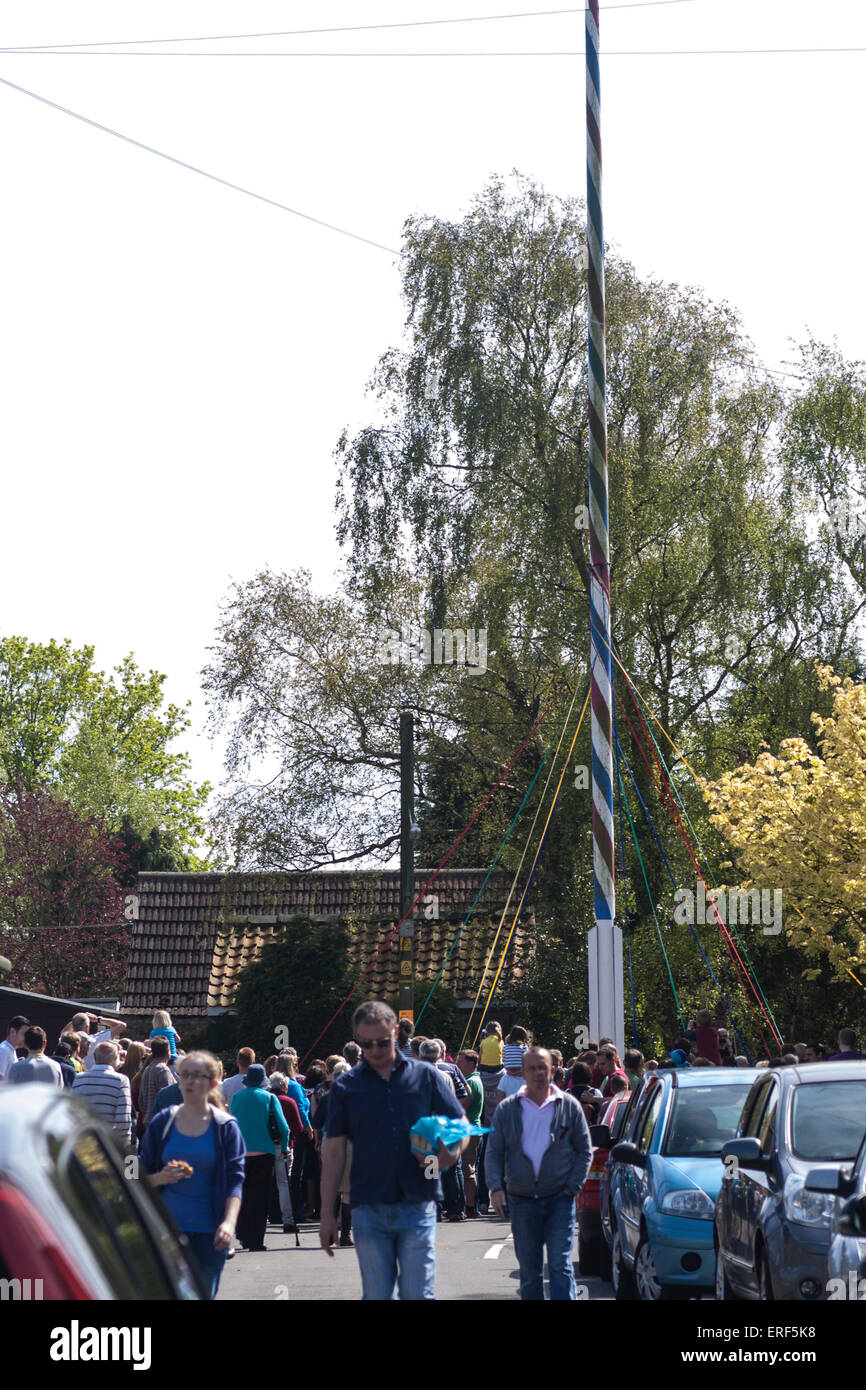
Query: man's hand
{"points": [[328, 1233], [446, 1158], [497, 1201]]}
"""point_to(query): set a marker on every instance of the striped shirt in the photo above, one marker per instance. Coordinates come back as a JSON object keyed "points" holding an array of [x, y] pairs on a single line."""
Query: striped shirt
{"points": [[107, 1094]]}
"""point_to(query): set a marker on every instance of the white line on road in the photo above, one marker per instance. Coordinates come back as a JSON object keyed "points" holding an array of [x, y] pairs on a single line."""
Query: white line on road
{"points": [[496, 1250]]}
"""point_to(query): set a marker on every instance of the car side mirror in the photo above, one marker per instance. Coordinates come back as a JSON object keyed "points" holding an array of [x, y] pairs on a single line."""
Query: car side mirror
{"points": [[747, 1153], [835, 1180], [600, 1136], [852, 1217], [628, 1153]]}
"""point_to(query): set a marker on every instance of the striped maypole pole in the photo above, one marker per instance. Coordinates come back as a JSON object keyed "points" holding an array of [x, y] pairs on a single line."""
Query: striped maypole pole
{"points": [[605, 940]]}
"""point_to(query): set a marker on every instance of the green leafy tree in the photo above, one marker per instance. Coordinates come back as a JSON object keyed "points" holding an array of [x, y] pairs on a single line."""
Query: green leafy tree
{"points": [[101, 741], [462, 506]]}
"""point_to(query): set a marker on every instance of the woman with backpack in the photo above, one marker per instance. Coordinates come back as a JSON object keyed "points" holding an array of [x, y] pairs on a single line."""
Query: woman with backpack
{"points": [[194, 1153]]}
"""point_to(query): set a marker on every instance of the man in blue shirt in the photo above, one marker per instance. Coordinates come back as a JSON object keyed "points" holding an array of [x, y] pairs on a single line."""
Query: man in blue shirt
{"points": [[393, 1192]]}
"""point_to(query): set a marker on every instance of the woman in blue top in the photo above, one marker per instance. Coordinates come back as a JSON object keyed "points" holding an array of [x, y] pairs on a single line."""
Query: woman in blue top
{"points": [[195, 1153]]}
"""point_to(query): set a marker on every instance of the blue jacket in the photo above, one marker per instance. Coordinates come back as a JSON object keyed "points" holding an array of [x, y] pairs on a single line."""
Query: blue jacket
{"points": [[228, 1173], [300, 1097]]}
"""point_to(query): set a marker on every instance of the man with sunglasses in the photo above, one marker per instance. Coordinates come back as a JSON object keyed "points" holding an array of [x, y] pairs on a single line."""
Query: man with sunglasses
{"points": [[393, 1192]]}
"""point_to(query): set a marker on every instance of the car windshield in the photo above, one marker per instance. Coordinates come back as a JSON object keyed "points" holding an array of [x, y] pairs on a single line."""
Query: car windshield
{"points": [[704, 1118], [828, 1120]]}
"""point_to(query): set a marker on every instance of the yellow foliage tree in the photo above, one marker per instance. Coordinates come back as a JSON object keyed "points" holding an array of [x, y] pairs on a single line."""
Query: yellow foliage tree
{"points": [[798, 822]]}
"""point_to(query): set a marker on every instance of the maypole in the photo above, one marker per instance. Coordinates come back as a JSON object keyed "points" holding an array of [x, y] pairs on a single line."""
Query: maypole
{"points": [[605, 939]]}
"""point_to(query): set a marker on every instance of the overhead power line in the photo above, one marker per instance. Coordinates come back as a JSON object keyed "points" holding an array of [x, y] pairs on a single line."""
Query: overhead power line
{"points": [[497, 53], [182, 163], [348, 28]]}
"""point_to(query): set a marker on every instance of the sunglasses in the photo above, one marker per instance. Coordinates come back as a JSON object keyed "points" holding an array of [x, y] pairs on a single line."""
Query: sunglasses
{"points": [[367, 1043]]}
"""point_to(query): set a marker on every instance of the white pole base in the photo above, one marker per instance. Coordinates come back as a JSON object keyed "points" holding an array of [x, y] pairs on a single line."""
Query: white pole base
{"points": [[606, 984]]}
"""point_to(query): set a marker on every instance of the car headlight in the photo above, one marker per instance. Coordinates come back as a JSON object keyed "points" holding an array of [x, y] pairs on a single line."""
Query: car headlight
{"points": [[688, 1201], [807, 1208]]}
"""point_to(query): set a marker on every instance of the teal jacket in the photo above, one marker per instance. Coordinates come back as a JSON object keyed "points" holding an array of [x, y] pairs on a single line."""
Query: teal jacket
{"points": [[250, 1106]]}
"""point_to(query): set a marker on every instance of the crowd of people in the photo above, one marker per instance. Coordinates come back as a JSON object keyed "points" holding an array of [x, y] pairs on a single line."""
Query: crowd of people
{"points": [[332, 1144]]}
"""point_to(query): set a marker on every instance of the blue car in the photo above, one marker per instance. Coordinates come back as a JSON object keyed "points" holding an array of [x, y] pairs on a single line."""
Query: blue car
{"points": [[667, 1178]]}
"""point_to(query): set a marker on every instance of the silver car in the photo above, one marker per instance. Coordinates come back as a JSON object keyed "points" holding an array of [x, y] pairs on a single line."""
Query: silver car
{"points": [[846, 1259]]}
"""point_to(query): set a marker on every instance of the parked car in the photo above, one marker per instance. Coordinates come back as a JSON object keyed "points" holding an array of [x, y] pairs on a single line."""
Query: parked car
{"points": [[670, 1169], [772, 1232], [620, 1129], [591, 1248], [77, 1218], [846, 1258]]}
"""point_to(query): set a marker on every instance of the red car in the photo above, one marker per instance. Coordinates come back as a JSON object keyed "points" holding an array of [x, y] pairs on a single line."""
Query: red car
{"points": [[591, 1246], [78, 1220]]}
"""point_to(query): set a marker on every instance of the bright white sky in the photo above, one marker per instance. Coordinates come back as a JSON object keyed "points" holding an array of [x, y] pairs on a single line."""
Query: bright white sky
{"points": [[178, 360]]}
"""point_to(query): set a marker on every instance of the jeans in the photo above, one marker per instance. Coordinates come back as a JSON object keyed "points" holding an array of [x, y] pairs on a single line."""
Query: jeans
{"points": [[540, 1221], [396, 1245], [209, 1261], [452, 1190]]}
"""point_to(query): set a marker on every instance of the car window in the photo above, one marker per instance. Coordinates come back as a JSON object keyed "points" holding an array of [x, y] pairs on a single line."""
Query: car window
{"points": [[704, 1118], [751, 1121], [637, 1114], [100, 1200], [767, 1131], [650, 1120], [828, 1120]]}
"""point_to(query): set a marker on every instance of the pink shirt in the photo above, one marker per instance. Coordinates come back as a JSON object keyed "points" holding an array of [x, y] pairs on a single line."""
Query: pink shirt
{"points": [[536, 1126]]}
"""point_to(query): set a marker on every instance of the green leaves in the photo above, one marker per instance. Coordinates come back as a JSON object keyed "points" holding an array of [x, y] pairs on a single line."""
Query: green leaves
{"points": [[103, 742]]}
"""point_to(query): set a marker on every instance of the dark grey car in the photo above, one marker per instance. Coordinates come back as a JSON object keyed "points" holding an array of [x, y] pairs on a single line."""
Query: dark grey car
{"points": [[772, 1234]]}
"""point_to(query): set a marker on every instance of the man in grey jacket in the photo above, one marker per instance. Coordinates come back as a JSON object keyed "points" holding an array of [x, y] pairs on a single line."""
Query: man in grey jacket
{"points": [[540, 1151]]}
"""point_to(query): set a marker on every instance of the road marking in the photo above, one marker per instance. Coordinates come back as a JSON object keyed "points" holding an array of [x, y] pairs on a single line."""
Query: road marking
{"points": [[496, 1250]]}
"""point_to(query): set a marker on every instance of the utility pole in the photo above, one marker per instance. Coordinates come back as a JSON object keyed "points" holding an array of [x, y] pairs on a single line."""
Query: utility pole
{"points": [[605, 939], [408, 837]]}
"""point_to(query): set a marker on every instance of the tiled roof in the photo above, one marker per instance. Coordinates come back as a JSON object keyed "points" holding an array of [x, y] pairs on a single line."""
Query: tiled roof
{"points": [[195, 932]]}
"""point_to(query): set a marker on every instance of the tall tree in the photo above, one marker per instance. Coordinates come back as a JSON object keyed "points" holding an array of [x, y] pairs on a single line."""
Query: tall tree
{"points": [[462, 506], [101, 741]]}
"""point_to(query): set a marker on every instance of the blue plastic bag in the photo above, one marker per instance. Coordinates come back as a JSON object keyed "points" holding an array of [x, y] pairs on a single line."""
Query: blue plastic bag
{"points": [[427, 1133]]}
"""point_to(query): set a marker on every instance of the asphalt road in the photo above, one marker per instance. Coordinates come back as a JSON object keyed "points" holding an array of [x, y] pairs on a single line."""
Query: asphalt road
{"points": [[475, 1260]]}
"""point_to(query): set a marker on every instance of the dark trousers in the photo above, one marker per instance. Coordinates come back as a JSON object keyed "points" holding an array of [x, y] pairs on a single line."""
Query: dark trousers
{"points": [[483, 1198], [452, 1190], [254, 1202], [299, 1199]]}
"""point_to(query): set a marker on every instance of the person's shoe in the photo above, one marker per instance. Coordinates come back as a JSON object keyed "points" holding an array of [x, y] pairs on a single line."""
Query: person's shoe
{"points": [[256, 1249], [347, 1241], [484, 1210], [289, 1229], [459, 1216], [472, 1214], [231, 1252]]}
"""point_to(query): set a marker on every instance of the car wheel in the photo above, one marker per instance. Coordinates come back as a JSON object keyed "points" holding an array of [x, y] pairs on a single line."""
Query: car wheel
{"points": [[604, 1261], [723, 1288], [588, 1254], [621, 1277], [765, 1280], [648, 1286]]}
